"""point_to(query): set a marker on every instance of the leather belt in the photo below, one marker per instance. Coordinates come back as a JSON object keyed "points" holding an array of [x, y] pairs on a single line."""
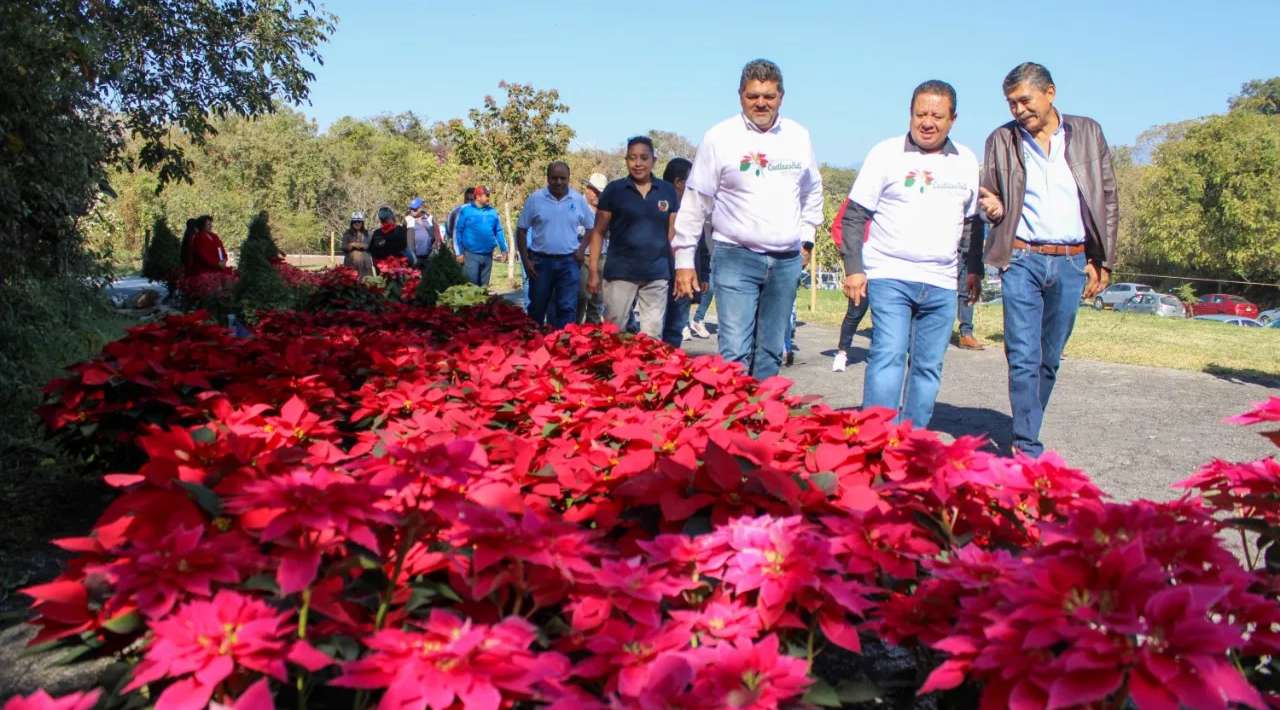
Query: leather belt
{"points": [[547, 255], [1050, 249]]}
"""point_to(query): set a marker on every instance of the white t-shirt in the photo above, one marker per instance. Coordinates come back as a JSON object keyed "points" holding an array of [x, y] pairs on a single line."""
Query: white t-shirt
{"points": [[766, 188], [423, 231], [920, 201]]}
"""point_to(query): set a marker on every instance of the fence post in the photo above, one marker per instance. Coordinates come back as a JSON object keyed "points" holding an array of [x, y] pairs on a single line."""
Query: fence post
{"points": [[333, 259]]}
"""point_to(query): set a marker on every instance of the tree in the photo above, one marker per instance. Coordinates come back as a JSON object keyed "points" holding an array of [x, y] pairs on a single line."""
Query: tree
{"points": [[79, 78], [1259, 96], [836, 183], [1210, 202], [162, 261], [260, 287], [668, 145]]}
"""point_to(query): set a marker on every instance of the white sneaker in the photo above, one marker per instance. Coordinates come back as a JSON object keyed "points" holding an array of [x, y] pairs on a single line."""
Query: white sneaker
{"points": [[686, 334], [698, 329], [839, 362]]}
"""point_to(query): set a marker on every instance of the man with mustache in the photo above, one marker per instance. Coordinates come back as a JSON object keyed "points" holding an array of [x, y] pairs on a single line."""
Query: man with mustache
{"points": [[1049, 192]]}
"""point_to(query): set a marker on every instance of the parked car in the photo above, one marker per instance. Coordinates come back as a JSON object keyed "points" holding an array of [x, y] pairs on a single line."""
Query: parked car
{"points": [[1274, 324], [1269, 317], [1115, 294], [1224, 304], [1231, 320], [1156, 304]]}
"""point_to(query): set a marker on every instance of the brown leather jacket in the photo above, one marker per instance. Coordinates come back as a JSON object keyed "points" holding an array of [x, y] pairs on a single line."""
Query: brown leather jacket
{"points": [[1004, 173]]}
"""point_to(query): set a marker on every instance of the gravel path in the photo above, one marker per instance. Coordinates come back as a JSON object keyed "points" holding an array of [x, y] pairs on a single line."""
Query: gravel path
{"points": [[1135, 430]]}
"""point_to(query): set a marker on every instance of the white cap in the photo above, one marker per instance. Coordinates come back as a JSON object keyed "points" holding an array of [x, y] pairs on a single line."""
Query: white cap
{"points": [[357, 216], [598, 181]]}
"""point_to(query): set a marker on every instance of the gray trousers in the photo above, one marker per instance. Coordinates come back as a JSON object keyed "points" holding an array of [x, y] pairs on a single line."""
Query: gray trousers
{"points": [[651, 297]]}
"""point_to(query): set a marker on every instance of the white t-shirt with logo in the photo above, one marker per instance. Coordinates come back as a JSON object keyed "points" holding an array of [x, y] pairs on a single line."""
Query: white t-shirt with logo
{"points": [[921, 201], [766, 187]]}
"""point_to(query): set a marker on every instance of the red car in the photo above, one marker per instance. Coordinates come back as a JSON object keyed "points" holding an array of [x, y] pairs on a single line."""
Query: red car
{"points": [[1224, 304]]}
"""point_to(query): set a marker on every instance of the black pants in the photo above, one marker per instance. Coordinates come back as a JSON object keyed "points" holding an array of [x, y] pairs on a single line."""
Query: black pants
{"points": [[852, 317]]}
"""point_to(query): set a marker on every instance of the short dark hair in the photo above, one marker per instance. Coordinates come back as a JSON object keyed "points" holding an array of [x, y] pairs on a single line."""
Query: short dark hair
{"points": [[203, 221], [641, 140], [469, 194], [935, 87], [677, 169], [559, 163], [1027, 72], [760, 70]]}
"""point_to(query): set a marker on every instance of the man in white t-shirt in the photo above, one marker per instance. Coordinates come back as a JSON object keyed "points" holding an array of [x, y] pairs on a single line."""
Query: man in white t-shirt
{"points": [[424, 234], [920, 194], [755, 175]]}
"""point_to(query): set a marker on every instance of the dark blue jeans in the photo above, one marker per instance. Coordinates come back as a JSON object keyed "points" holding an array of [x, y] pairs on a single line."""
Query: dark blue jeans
{"points": [[677, 317], [754, 295], [476, 267], [553, 293], [1041, 296], [912, 325], [964, 309]]}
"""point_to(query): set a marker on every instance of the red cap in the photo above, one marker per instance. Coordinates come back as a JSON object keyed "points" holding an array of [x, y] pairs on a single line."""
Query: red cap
{"points": [[481, 190]]}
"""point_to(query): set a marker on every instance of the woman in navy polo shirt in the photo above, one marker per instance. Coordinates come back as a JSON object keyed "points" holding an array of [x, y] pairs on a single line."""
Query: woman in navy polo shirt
{"points": [[639, 212]]}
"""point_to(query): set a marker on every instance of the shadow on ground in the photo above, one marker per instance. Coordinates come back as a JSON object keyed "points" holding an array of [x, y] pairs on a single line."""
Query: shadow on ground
{"points": [[994, 426], [1240, 376]]}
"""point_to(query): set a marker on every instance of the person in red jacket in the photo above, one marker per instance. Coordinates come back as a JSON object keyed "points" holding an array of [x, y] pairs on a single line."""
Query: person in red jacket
{"points": [[854, 313], [206, 253]]}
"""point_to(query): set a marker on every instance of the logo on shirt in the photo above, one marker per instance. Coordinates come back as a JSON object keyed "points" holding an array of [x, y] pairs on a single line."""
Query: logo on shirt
{"points": [[755, 161], [924, 177], [663, 205]]}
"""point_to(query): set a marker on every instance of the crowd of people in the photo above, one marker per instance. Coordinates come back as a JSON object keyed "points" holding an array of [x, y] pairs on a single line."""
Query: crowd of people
{"points": [[736, 224]]}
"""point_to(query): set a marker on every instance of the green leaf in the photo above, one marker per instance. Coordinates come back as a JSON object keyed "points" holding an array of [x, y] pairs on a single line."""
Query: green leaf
{"points": [[545, 472], [264, 582], [826, 481], [204, 497], [822, 695], [204, 435], [858, 691], [549, 428], [124, 624]]}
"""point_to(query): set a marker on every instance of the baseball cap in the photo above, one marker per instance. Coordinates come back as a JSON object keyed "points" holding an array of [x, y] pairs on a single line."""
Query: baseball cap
{"points": [[357, 216], [481, 190], [415, 203], [598, 181]]}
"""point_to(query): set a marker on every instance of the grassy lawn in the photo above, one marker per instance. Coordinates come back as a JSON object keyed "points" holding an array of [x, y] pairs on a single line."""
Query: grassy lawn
{"points": [[1249, 354]]}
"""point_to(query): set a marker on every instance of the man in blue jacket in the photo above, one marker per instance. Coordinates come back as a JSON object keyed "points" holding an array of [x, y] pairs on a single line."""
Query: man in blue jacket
{"points": [[476, 234]]}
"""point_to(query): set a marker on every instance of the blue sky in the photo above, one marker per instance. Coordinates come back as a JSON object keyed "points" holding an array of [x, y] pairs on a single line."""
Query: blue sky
{"points": [[849, 67]]}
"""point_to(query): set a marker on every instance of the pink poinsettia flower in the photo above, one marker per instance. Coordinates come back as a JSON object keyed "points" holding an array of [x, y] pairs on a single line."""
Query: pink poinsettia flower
{"points": [[40, 700], [720, 620], [752, 675], [184, 563], [449, 660], [204, 642], [1268, 411], [307, 513]]}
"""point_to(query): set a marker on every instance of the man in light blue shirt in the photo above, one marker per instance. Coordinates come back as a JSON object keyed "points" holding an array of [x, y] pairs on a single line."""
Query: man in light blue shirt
{"points": [[1051, 205], [550, 228]]}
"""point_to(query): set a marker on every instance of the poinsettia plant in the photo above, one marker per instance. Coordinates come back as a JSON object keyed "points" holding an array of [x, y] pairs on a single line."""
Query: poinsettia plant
{"points": [[431, 508]]}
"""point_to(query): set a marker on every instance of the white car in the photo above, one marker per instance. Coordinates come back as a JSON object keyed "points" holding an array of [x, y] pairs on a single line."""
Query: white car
{"points": [[1117, 294], [1231, 320]]}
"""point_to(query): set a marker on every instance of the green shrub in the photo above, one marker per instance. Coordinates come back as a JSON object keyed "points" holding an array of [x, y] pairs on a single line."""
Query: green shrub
{"points": [[260, 287], [443, 272], [162, 258], [463, 296]]}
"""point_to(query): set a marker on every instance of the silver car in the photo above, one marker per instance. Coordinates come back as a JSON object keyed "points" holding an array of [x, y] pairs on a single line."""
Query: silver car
{"points": [[1117, 294], [1156, 304], [1269, 317], [1232, 320]]}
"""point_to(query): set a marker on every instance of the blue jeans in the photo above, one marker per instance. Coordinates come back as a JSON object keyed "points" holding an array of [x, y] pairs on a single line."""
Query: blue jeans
{"points": [[553, 293], [755, 294], [1041, 296], [964, 309], [476, 267], [788, 343], [705, 298], [912, 323], [676, 319]]}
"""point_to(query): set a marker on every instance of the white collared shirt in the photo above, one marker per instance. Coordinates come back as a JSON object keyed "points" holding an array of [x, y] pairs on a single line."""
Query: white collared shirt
{"points": [[762, 189]]}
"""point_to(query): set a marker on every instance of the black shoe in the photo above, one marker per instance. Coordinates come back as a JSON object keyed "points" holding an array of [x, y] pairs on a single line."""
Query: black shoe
{"points": [[790, 358]]}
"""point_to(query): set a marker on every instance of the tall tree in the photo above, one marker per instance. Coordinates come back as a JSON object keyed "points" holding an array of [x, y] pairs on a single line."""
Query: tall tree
{"points": [[1259, 96]]}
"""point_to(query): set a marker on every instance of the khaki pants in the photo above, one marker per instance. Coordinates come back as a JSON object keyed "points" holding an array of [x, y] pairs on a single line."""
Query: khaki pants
{"points": [[650, 296]]}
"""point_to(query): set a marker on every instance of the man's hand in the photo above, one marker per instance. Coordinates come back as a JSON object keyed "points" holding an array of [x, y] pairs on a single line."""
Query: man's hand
{"points": [[593, 282], [1098, 277], [460, 259], [580, 255], [990, 204], [855, 288], [686, 283], [973, 286], [529, 268], [501, 257]]}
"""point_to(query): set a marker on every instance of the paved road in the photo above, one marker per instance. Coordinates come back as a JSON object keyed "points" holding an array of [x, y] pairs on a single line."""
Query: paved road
{"points": [[1135, 430]]}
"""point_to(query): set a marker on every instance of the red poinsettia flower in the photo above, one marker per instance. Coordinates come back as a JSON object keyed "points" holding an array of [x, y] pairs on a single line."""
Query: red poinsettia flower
{"points": [[40, 700]]}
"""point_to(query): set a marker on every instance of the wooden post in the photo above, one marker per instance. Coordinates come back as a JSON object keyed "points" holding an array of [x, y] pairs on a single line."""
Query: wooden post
{"points": [[333, 255]]}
